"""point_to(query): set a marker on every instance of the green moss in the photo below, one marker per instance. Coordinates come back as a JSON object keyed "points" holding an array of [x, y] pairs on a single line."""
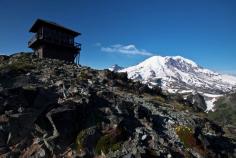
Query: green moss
{"points": [[155, 98], [116, 146], [30, 88], [180, 106], [107, 143], [80, 141], [160, 99]]}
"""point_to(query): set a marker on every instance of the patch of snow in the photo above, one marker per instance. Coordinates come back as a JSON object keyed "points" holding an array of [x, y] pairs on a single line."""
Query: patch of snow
{"points": [[211, 95], [210, 104], [115, 68], [172, 90], [185, 91]]}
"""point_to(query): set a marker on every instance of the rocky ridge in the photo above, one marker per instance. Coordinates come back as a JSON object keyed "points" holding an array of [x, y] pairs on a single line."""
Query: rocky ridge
{"points": [[49, 108]]}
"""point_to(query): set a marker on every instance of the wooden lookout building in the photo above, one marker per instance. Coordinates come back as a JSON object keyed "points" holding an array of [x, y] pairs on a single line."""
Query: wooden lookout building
{"points": [[54, 41]]}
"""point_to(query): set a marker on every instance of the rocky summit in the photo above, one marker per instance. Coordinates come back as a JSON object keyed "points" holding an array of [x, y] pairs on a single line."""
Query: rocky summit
{"points": [[50, 108]]}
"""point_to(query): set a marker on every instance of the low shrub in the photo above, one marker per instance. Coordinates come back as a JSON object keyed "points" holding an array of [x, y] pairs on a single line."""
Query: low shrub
{"points": [[111, 141], [80, 146], [106, 143], [186, 136]]}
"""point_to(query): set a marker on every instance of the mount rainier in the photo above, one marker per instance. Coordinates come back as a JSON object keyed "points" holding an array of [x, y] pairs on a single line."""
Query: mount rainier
{"points": [[176, 74]]}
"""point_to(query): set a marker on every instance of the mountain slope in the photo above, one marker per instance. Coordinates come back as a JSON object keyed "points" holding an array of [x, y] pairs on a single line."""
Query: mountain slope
{"points": [[178, 74]]}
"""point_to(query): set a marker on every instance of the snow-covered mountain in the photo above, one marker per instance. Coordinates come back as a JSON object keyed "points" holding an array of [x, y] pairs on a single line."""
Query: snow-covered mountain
{"points": [[115, 68], [176, 74]]}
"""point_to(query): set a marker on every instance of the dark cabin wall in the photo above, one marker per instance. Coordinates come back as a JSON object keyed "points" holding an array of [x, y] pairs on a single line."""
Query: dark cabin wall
{"points": [[57, 36], [59, 53]]}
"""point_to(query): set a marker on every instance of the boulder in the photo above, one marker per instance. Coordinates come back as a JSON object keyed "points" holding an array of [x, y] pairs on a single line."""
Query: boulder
{"points": [[197, 102]]}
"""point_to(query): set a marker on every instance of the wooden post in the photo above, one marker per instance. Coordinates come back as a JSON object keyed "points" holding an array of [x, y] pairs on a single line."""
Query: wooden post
{"points": [[42, 32], [77, 56]]}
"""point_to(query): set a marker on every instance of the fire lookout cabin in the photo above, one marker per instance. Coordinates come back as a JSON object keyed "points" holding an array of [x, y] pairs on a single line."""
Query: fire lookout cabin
{"points": [[54, 41]]}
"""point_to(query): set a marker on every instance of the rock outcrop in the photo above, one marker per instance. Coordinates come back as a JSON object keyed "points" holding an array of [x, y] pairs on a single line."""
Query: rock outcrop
{"points": [[49, 108], [197, 101]]}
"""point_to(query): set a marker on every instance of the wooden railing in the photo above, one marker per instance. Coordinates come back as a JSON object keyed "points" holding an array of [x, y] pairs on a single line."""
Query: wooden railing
{"points": [[53, 41], [33, 39], [77, 45]]}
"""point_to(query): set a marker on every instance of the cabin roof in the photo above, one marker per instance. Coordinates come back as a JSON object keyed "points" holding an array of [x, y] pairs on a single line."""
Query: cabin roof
{"points": [[40, 22]]}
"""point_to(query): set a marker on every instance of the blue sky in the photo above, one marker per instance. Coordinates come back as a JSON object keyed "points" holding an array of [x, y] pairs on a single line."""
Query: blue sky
{"points": [[126, 32]]}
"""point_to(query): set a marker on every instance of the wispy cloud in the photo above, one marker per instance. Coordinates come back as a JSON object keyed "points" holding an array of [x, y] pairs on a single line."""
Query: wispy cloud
{"points": [[125, 49]]}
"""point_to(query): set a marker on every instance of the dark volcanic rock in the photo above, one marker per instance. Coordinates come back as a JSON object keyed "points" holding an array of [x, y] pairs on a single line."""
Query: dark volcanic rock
{"points": [[49, 108], [3, 58]]}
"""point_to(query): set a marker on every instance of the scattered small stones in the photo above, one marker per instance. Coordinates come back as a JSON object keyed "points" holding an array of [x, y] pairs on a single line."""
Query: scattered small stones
{"points": [[49, 108]]}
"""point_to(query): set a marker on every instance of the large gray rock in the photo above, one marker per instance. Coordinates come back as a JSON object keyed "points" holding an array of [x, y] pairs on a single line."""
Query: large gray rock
{"points": [[197, 101]]}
